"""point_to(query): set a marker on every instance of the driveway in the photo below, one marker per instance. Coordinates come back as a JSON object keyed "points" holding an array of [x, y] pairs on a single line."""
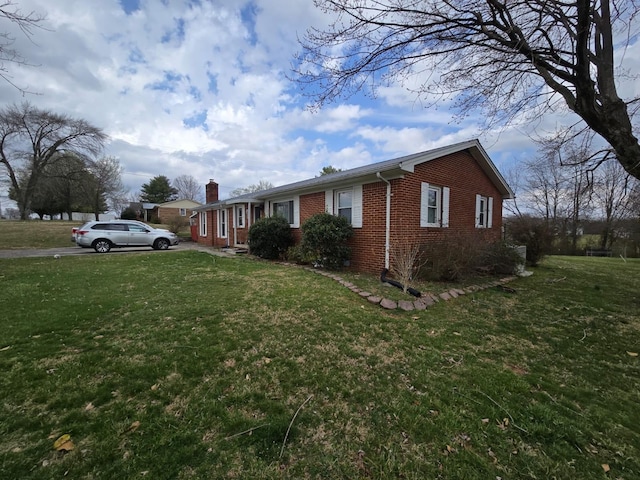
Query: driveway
{"points": [[65, 251]]}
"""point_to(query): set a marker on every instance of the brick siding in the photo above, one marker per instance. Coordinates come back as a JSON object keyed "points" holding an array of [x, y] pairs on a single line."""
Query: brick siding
{"points": [[459, 171]]}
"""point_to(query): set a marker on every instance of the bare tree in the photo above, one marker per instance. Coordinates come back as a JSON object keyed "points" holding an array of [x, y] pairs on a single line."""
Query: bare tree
{"points": [[256, 187], [406, 260], [505, 57], [189, 188], [105, 183], [120, 201], [613, 197], [559, 187], [26, 22], [545, 188], [30, 139]]}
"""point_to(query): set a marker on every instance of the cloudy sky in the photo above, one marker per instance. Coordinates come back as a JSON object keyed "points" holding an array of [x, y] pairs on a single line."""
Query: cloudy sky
{"points": [[201, 88]]}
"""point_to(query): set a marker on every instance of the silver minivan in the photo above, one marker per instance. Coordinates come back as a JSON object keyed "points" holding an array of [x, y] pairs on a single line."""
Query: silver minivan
{"points": [[103, 236]]}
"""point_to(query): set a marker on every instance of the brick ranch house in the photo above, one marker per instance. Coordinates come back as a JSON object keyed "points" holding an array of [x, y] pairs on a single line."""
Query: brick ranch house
{"points": [[425, 196]]}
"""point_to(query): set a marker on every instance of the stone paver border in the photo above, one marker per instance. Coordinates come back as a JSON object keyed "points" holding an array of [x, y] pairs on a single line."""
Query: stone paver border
{"points": [[427, 300]]}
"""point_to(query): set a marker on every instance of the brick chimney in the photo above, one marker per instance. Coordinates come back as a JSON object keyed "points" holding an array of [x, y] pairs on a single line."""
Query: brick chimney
{"points": [[211, 191]]}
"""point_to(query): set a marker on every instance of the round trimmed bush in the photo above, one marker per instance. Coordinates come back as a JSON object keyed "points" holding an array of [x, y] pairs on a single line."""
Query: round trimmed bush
{"points": [[324, 237], [270, 237]]}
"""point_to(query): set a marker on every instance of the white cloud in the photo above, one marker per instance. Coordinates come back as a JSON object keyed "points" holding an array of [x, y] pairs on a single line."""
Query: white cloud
{"points": [[201, 88]]}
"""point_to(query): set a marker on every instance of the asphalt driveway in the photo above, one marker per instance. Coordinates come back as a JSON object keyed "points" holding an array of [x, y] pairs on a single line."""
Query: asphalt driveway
{"points": [[74, 250]]}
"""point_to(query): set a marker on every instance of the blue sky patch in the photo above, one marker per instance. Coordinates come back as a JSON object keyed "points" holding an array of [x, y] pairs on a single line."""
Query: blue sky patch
{"points": [[130, 6], [248, 16], [168, 83], [197, 120]]}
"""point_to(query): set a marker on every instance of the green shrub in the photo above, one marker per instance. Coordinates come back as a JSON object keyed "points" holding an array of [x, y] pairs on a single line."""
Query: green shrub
{"points": [[128, 214], [324, 238], [270, 237], [298, 255]]}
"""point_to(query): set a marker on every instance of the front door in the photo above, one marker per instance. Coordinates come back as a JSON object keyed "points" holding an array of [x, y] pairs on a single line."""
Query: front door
{"points": [[138, 235]]}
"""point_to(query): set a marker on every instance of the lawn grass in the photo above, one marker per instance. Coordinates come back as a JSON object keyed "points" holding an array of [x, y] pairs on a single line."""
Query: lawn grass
{"points": [[20, 234], [193, 366], [36, 234]]}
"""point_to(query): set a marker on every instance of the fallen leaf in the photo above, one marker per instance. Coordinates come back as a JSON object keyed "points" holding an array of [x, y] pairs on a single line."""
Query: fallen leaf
{"points": [[605, 467], [88, 407], [492, 455], [5, 348], [633, 354], [63, 443], [155, 386], [485, 420], [134, 426]]}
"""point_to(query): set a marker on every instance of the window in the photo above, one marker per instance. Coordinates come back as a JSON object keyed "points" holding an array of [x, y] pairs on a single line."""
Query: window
{"points": [[484, 211], [118, 227], [284, 209], [183, 212], [257, 213], [222, 223], [434, 206], [203, 224], [344, 204], [137, 228], [240, 216]]}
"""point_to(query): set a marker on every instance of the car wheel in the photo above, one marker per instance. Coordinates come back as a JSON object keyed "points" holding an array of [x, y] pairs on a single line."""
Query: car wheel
{"points": [[102, 246], [161, 244]]}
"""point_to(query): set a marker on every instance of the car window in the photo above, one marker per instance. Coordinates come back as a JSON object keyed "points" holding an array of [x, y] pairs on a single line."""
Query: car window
{"points": [[137, 228], [100, 226]]}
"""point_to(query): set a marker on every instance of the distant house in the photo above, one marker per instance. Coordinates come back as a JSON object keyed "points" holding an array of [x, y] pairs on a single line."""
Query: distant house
{"points": [[164, 212], [144, 211], [177, 209], [425, 196]]}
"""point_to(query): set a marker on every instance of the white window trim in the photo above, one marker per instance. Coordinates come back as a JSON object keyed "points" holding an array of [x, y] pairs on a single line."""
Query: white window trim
{"points": [[240, 222], [442, 206], [223, 212], [182, 212], [203, 224], [488, 211], [331, 203], [296, 209]]}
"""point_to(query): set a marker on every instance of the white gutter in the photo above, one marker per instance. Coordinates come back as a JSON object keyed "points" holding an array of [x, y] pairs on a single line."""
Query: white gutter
{"points": [[387, 233]]}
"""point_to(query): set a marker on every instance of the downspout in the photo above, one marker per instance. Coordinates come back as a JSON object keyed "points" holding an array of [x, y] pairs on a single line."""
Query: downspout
{"points": [[387, 227]]}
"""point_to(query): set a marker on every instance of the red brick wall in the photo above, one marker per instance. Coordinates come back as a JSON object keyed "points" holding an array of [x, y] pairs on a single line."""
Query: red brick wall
{"points": [[311, 204], [460, 172]]}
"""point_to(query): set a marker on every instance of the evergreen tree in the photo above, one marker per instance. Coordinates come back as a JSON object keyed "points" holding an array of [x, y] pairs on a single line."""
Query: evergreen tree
{"points": [[158, 190]]}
